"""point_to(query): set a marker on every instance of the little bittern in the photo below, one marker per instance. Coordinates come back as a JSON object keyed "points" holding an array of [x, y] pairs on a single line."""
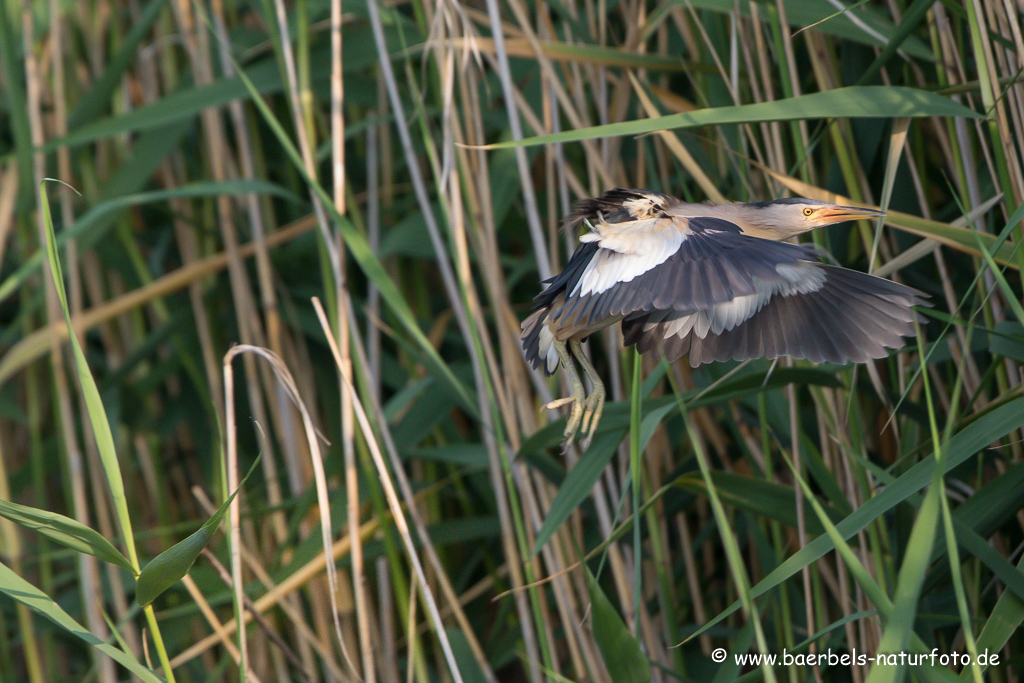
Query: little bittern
{"points": [[712, 281]]}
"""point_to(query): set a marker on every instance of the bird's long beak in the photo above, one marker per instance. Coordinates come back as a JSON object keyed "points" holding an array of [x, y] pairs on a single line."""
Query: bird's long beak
{"points": [[839, 214]]}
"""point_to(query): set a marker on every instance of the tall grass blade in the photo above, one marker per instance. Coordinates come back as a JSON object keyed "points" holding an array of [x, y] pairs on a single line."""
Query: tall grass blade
{"points": [[1003, 622], [170, 566], [619, 649], [862, 24], [100, 426], [64, 531], [94, 405], [764, 499], [21, 590], [862, 101]]}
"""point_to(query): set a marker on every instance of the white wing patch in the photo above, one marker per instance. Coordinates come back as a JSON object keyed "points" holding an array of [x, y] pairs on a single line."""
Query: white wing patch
{"points": [[628, 250], [802, 277]]}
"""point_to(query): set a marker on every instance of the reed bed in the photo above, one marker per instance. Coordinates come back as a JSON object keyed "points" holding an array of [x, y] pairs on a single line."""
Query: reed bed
{"points": [[297, 240]]}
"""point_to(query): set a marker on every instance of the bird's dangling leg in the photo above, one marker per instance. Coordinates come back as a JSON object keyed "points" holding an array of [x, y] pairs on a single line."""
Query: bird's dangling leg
{"points": [[594, 405], [572, 423]]}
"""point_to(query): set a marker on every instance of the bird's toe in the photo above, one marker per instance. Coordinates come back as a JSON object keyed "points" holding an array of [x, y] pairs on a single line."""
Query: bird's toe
{"points": [[558, 403], [592, 409], [572, 423], [591, 416]]}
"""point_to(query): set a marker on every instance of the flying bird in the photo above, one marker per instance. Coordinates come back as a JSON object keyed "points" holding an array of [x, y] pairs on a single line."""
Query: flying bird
{"points": [[713, 281]]}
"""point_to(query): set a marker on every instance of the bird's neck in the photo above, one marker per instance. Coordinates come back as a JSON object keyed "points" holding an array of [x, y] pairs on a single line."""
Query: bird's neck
{"points": [[753, 222]]}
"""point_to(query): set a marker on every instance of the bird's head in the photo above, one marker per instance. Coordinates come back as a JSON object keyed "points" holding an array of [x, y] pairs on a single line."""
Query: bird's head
{"points": [[783, 218]]}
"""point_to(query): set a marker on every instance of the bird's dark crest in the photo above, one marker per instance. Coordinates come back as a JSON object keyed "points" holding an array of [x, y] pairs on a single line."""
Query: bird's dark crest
{"points": [[611, 206]]}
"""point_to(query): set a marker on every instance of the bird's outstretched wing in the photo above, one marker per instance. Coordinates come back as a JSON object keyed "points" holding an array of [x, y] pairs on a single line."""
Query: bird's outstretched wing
{"points": [[677, 264], [843, 316]]}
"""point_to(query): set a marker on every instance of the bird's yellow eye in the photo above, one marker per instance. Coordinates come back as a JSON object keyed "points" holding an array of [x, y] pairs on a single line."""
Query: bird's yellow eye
{"points": [[808, 211]]}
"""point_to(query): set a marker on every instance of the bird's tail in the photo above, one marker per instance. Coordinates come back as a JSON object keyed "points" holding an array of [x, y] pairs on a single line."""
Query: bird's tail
{"points": [[538, 342]]}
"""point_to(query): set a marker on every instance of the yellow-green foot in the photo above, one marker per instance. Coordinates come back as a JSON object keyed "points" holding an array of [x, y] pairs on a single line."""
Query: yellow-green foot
{"points": [[572, 422], [593, 406]]}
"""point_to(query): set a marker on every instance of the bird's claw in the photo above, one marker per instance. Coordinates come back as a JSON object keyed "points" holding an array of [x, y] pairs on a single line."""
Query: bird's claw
{"points": [[593, 406], [586, 410], [583, 417], [572, 424], [572, 421]]}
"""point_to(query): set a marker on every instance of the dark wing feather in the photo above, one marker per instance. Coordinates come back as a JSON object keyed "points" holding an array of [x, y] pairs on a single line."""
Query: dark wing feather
{"points": [[852, 317], [568, 278], [531, 327], [530, 338]]}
